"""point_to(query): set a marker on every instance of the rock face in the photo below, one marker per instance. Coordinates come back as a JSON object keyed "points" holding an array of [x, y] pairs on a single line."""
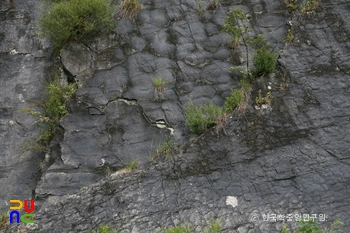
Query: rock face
{"points": [[24, 66], [290, 160]]}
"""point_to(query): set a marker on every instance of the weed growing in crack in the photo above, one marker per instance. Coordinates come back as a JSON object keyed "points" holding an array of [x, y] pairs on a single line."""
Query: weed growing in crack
{"points": [[129, 8], [291, 5], [289, 37], [166, 149], [133, 164], [159, 85], [203, 117], [245, 83], [260, 100], [308, 6], [201, 9], [54, 108], [213, 5]]}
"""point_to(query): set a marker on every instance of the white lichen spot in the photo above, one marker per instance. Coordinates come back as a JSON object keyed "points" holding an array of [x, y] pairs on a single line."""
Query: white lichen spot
{"points": [[11, 122], [232, 201], [21, 98], [13, 52]]}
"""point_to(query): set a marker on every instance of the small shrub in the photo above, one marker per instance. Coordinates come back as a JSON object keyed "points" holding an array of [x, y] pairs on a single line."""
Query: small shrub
{"points": [[308, 6], [232, 26], [264, 60], [260, 100], [69, 20], [195, 119], [201, 118], [211, 112], [234, 100], [129, 8]]}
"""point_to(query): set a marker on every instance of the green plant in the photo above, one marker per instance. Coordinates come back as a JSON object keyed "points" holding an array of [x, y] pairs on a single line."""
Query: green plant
{"points": [[213, 5], [201, 9], [335, 227], [179, 229], [245, 85], [291, 7], [4, 220], [285, 229], [314, 227], [289, 37], [166, 149], [159, 84], [133, 164], [308, 227], [68, 20], [213, 226], [129, 8], [260, 100], [233, 26], [264, 60], [104, 229], [234, 100], [201, 118], [308, 6], [54, 108], [246, 72]]}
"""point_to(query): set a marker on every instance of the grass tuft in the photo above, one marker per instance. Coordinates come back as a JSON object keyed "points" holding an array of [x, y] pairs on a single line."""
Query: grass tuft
{"points": [[129, 8], [203, 117]]}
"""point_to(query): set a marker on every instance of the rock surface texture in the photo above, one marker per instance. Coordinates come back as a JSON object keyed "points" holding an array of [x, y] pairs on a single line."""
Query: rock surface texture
{"points": [[291, 159]]}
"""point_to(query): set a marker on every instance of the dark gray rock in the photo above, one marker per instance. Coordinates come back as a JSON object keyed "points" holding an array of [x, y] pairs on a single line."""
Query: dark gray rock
{"points": [[24, 66]]}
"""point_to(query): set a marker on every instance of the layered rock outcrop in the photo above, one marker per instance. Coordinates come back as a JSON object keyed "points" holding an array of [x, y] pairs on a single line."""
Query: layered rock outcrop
{"points": [[290, 159]]}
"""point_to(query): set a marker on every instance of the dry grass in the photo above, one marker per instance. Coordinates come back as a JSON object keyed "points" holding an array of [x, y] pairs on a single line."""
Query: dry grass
{"points": [[129, 8], [213, 5]]}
